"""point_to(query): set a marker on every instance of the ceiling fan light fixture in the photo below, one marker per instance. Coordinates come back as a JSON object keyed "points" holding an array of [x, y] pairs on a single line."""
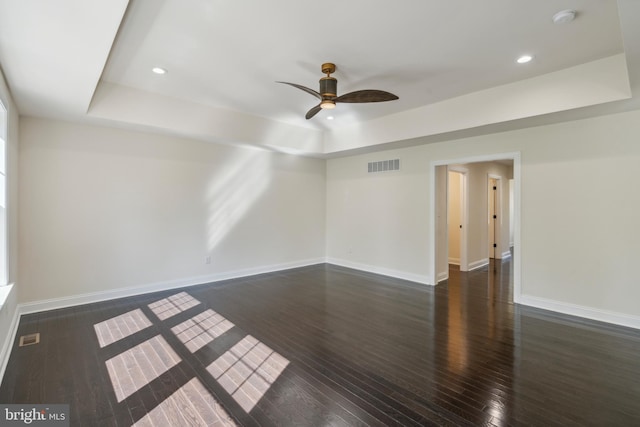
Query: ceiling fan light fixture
{"points": [[327, 104]]}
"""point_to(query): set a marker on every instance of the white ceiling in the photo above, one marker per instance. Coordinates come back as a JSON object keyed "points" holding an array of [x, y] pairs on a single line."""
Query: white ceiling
{"points": [[92, 60]]}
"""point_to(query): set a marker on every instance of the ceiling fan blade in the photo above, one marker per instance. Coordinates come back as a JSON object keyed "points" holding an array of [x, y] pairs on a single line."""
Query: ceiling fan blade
{"points": [[367, 95], [304, 88], [313, 111]]}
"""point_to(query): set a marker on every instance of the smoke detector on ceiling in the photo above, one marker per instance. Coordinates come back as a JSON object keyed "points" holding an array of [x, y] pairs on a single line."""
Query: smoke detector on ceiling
{"points": [[564, 16]]}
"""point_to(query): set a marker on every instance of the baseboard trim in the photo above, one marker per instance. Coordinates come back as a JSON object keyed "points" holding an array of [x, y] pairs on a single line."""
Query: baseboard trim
{"points": [[505, 255], [7, 346], [454, 261], [478, 264], [88, 298], [424, 280], [442, 276], [582, 311]]}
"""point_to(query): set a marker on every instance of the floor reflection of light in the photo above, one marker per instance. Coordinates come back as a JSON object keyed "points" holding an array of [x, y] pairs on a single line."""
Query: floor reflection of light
{"points": [[247, 371], [233, 191], [133, 369], [200, 330], [190, 405], [457, 352], [173, 305], [495, 409], [119, 327]]}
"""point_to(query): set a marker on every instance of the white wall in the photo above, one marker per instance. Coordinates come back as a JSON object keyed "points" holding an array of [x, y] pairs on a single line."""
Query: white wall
{"points": [[370, 216], [580, 237], [441, 258], [105, 209]]}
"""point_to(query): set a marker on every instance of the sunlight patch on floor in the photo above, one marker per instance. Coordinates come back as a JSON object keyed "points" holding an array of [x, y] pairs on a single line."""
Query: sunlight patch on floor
{"points": [[190, 405], [247, 371], [170, 306], [133, 369], [200, 330], [119, 327]]}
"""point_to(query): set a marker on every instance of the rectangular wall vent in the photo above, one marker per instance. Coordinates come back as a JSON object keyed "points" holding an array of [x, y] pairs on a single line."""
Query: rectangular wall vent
{"points": [[29, 339], [384, 166]]}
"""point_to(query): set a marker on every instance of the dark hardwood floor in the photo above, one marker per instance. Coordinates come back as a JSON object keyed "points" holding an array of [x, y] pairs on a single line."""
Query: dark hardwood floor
{"points": [[325, 345]]}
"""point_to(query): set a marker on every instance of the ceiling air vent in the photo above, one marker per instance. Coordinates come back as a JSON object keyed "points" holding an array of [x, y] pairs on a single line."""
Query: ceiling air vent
{"points": [[384, 166]]}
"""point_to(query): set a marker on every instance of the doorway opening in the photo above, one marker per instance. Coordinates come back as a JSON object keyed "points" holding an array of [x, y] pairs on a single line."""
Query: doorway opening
{"points": [[490, 218], [457, 216]]}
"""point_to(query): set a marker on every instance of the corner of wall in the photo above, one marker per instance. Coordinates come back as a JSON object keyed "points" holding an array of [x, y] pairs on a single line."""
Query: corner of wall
{"points": [[411, 277]]}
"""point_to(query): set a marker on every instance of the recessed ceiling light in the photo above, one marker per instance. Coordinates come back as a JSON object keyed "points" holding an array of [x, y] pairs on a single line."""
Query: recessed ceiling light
{"points": [[524, 59], [564, 16], [329, 117], [159, 70]]}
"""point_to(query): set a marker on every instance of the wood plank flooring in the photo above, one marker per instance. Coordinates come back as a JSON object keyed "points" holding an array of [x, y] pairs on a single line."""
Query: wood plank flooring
{"points": [[325, 345]]}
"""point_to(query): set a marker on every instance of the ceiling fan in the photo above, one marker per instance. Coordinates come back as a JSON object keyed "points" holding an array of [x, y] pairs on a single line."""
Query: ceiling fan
{"points": [[329, 87]]}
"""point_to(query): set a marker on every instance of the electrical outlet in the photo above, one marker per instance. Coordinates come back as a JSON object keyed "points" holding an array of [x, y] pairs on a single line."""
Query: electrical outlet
{"points": [[207, 260]]}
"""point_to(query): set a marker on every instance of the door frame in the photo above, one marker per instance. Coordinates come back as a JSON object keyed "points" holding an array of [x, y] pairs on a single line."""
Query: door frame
{"points": [[432, 237]]}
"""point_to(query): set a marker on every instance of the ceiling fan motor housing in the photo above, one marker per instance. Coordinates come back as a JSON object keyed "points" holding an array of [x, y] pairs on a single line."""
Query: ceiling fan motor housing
{"points": [[328, 87]]}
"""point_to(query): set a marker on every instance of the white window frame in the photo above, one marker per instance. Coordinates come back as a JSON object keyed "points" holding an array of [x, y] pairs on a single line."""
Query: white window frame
{"points": [[4, 132]]}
